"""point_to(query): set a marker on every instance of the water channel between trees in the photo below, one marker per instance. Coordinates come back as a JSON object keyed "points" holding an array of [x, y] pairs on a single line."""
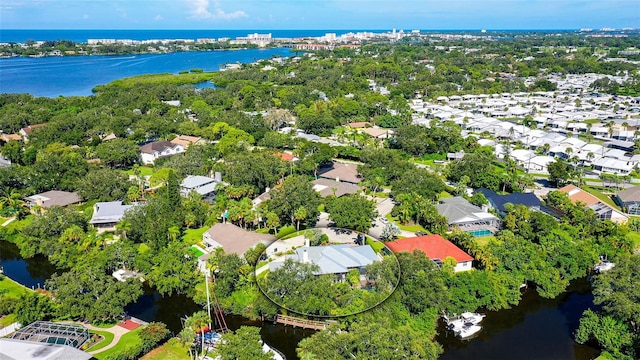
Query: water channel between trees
{"points": [[535, 329]]}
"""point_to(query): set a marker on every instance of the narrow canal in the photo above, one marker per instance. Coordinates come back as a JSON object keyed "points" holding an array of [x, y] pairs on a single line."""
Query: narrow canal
{"points": [[536, 329]]}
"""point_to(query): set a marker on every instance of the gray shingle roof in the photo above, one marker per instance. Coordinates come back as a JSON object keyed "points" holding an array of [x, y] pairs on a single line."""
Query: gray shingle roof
{"points": [[109, 212]]}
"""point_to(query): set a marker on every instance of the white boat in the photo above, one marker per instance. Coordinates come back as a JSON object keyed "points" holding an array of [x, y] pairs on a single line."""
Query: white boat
{"points": [[467, 330], [465, 317], [471, 317], [603, 265]]}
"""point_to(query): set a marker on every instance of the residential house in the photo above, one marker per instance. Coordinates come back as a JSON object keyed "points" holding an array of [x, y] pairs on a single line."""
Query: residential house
{"points": [[53, 198], [106, 215], [467, 217], [233, 239], [602, 209], [158, 149], [498, 202], [203, 185], [342, 172], [333, 259], [629, 200], [185, 140], [436, 248], [377, 133], [539, 164], [27, 130], [613, 166], [328, 187]]}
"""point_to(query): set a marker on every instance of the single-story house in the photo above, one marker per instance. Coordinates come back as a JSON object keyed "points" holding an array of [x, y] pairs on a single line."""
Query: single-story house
{"points": [[603, 210], [233, 239], [333, 259], [436, 248], [106, 215], [629, 200], [342, 172], [327, 187], [186, 140], [613, 166], [498, 202], [53, 198], [377, 132], [539, 164], [468, 217], [158, 149]]}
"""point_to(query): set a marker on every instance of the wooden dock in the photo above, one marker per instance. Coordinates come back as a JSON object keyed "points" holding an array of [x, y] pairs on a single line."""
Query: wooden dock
{"points": [[302, 323]]}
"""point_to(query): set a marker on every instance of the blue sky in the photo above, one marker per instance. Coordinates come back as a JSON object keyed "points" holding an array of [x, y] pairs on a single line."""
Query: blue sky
{"points": [[318, 14]]}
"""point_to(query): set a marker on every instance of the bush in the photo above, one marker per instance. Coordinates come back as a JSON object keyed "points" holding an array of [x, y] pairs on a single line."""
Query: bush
{"points": [[286, 230]]}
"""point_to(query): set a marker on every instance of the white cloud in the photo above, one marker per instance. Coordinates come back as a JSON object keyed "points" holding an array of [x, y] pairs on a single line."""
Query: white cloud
{"points": [[200, 10], [158, 18]]}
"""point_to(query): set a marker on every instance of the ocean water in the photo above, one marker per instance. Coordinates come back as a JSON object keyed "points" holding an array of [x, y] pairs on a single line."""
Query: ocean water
{"points": [[77, 75]]}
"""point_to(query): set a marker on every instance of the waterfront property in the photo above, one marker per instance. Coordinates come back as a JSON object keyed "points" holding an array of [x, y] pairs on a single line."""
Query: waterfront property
{"points": [[47, 341], [333, 259], [436, 248], [233, 239], [53, 198], [106, 215]]}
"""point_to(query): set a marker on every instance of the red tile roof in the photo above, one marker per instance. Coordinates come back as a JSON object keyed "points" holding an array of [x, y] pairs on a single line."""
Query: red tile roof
{"points": [[435, 246], [284, 156]]}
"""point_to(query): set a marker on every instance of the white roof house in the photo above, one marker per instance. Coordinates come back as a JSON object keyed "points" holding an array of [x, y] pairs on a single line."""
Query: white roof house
{"points": [[613, 166], [332, 259], [203, 185], [539, 164]]}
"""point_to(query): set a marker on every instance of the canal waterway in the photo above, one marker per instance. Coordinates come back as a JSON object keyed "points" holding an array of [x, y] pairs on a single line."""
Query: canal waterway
{"points": [[536, 329], [78, 75]]}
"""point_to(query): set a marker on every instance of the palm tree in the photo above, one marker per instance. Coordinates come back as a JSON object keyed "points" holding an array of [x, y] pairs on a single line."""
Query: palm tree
{"points": [[187, 337], [198, 321], [300, 214]]}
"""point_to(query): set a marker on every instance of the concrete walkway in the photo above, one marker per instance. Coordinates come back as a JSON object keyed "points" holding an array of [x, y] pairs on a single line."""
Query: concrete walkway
{"points": [[8, 221], [116, 330]]}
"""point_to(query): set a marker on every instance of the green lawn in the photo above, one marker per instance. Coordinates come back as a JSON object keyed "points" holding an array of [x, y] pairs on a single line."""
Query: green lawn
{"points": [[375, 245], [195, 252], [129, 339], [604, 197], [144, 171], [411, 228], [635, 237], [12, 288], [194, 236], [107, 339], [171, 350], [104, 325], [8, 320]]}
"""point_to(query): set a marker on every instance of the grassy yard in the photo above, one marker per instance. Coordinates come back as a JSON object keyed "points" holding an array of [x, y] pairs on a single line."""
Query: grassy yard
{"points": [[194, 236], [411, 228], [484, 240], [144, 171], [171, 350], [12, 288], [375, 245], [635, 237], [8, 320], [600, 195], [107, 339], [129, 339]]}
